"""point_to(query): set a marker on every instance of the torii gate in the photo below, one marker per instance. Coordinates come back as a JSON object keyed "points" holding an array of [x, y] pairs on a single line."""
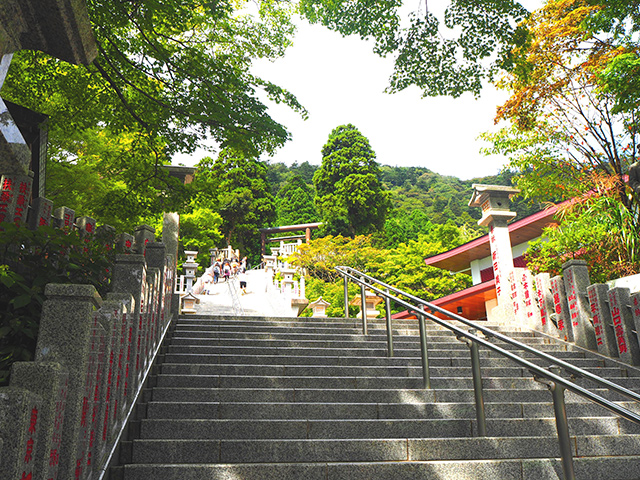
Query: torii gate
{"points": [[307, 227]]}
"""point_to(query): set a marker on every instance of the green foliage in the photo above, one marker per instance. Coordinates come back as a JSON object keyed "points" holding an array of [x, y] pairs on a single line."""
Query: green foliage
{"points": [[174, 70], [320, 257], [167, 76], [116, 178], [294, 202], [236, 187], [402, 266], [441, 61], [594, 227], [200, 231], [29, 260], [350, 196]]}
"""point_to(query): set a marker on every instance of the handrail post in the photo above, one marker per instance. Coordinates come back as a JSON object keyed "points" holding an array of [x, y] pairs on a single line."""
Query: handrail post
{"points": [[389, 326], [423, 351], [346, 297], [477, 385], [363, 308], [562, 425]]}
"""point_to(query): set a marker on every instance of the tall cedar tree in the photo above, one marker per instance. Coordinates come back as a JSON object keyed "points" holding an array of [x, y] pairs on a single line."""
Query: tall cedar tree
{"points": [[350, 196]]}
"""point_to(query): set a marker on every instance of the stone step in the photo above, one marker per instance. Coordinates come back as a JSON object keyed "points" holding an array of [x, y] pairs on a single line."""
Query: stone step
{"points": [[370, 410], [353, 395], [373, 450], [221, 359], [415, 370], [247, 381], [625, 468], [254, 349], [355, 342], [218, 429]]}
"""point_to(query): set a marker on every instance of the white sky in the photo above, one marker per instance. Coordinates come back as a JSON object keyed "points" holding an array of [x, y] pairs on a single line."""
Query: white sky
{"points": [[340, 80]]}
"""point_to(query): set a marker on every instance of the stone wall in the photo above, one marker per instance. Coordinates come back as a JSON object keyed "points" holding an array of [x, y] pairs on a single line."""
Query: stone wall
{"points": [[63, 413]]}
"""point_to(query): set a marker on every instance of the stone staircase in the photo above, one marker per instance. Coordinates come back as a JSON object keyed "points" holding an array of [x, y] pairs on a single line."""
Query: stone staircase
{"points": [[249, 398]]}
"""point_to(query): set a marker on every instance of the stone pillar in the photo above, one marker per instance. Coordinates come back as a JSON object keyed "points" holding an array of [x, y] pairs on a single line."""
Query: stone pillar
{"points": [[15, 194], [123, 357], [532, 312], [561, 309], [494, 202], [545, 303], [156, 258], [67, 328], [49, 381], [171, 233], [86, 225], [63, 217], [130, 277], [40, 213], [516, 293], [143, 234], [19, 430], [635, 311], [124, 242], [621, 316], [576, 281], [606, 342]]}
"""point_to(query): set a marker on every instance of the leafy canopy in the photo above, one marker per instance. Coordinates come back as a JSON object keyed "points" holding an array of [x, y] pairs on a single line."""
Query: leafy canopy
{"points": [[350, 196], [442, 56]]}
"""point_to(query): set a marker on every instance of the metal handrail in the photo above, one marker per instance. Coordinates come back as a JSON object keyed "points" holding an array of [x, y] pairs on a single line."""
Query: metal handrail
{"points": [[550, 378], [492, 333]]}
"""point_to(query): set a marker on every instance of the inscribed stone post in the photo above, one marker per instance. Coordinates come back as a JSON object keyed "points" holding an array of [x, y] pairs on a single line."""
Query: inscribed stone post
{"points": [[40, 213], [63, 217], [49, 381], [130, 276], [124, 242], [171, 233], [103, 341], [576, 281], [143, 234], [561, 310], [15, 193], [532, 312], [635, 311], [65, 335], [156, 258], [545, 303], [604, 332], [621, 316], [516, 293], [122, 395], [86, 225], [153, 279], [19, 429]]}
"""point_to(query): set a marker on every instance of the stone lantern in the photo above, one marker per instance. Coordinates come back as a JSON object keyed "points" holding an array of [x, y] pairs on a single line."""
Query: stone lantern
{"points": [[371, 301], [319, 307], [287, 280], [190, 268]]}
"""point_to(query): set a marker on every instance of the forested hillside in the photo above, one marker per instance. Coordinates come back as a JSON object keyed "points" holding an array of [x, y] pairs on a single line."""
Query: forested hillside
{"points": [[420, 199]]}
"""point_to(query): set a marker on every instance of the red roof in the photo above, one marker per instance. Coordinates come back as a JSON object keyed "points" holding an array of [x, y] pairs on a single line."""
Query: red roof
{"points": [[521, 231], [471, 300]]}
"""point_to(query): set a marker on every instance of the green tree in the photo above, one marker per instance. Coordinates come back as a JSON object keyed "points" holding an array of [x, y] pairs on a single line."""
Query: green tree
{"points": [[350, 196], [294, 202], [200, 231], [237, 186], [473, 46], [112, 177], [173, 70]]}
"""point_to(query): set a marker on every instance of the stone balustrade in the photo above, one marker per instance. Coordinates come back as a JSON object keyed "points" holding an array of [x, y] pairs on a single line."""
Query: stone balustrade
{"points": [[63, 413], [600, 317]]}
